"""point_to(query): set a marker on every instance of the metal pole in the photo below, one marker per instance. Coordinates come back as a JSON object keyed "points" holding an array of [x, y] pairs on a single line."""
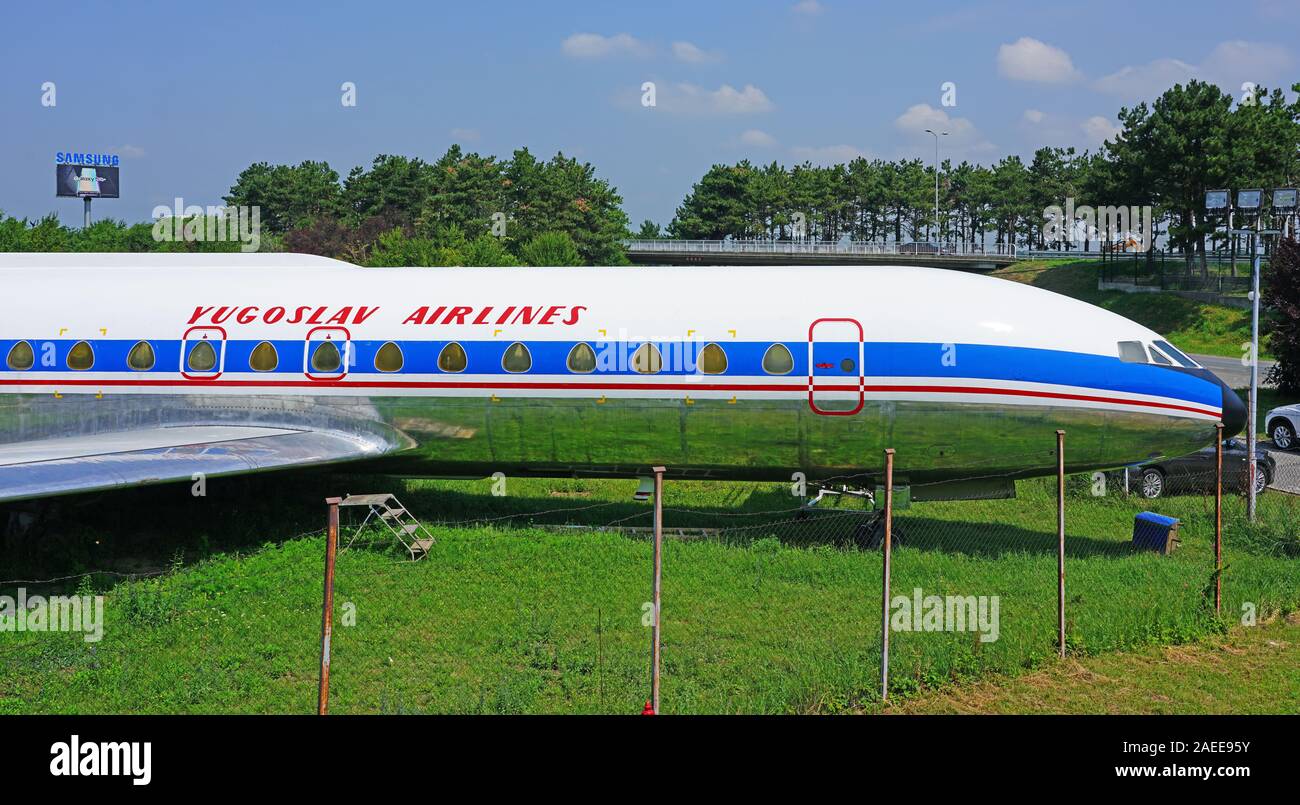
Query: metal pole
{"points": [[658, 586], [1218, 518], [886, 545], [936, 183], [1254, 381], [1060, 541], [327, 618], [86, 199]]}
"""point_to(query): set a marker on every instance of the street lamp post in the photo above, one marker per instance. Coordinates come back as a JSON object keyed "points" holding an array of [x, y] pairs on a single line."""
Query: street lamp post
{"points": [[937, 135]]}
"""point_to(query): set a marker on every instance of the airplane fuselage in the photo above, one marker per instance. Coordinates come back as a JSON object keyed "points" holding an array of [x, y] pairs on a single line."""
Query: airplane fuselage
{"points": [[746, 373]]}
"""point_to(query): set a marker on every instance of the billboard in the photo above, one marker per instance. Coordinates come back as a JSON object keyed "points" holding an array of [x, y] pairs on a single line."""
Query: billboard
{"points": [[86, 181]]}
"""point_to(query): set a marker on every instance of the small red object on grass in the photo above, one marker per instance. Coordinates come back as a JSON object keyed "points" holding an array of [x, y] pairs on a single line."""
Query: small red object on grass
{"points": [[649, 708]]}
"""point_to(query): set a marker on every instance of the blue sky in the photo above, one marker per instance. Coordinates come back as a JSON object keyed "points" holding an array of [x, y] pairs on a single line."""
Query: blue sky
{"points": [[189, 94]]}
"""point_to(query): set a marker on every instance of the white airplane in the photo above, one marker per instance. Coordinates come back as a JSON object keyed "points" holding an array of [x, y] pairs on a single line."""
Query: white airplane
{"points": [[129, 369]]}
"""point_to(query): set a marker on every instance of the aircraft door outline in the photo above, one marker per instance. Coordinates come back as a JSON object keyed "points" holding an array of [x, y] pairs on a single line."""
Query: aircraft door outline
{"points": [[835, 353], [213, 335]]}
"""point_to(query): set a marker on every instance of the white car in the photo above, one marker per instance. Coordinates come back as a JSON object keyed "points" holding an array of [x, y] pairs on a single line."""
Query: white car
{"points": [[1282, 424]]}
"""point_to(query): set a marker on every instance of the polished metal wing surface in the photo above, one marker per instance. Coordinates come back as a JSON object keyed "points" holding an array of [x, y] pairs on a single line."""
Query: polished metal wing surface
{"points": [[156, 455]]}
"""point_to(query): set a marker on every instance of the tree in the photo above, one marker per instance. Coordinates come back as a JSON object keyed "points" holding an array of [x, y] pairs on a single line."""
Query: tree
{"points": [[718, 205], [289, 196], [1281, 299], [394, 186], [551, 249], [649, 230]]}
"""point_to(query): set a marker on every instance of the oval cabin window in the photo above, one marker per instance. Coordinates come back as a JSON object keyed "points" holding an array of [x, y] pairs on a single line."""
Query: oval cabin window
{"points": [[452, 358], [713, 361], [517, 358], [582, 359], [326, 358], [778, 360], [141, 357], [202, 357], [21, 356], [81, 356], [264, 358], [647, 360], [389, 358]]}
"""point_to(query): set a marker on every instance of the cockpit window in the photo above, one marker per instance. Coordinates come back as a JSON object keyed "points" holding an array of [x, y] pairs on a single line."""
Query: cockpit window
{"points": [[1173, 352], [1158, 357], [1132, 352]]}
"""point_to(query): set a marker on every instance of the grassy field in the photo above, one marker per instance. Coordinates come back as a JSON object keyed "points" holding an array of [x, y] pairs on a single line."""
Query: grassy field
{"points": [[766, 614], [1250, 670], [1192, 326]]}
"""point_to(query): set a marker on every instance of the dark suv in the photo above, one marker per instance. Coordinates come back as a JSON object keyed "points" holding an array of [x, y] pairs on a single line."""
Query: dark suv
{"points": [[1195, 472]]}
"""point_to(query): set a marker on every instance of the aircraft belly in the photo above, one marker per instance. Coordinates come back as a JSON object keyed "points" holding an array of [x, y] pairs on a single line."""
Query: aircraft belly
{"points": [[748, 439]]}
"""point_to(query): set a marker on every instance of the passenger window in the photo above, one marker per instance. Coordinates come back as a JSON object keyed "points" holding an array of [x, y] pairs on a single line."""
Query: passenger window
{"points": [[1132, 352], [389, 358], [452, 358], [21, 356], [202, 357], [582, 359], [713, 361], [141, 357], [263, 358], [778, 360], [647, 360], [81, 356], [517, 358], [326, 358]]}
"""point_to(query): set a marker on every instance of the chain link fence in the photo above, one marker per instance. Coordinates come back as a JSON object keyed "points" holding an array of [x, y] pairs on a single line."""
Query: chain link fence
{"points": [[772, 598]]}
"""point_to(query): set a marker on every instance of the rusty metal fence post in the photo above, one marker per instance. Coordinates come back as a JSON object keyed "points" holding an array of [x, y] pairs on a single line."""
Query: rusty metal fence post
{"points": [[656, 650], [1060, 542], [1218, 518], [884, 598], [327, 617]]}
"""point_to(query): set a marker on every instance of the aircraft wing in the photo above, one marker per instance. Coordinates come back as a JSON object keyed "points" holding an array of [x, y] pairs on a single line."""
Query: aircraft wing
{"points": [[155, 455]]}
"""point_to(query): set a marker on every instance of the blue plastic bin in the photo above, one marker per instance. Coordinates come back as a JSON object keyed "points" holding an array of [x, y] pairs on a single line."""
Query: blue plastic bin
{"points": [[1155, 532]]}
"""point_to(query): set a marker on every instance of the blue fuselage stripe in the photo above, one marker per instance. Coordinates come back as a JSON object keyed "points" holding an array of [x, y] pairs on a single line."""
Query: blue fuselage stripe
{"points": [[744, 360]]}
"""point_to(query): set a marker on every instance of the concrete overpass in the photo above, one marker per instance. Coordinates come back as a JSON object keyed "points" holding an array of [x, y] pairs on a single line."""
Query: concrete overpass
{"points": [[811, 253]]}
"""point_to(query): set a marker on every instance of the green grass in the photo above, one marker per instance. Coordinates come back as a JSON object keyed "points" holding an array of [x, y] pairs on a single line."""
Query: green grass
{"points": [[1250, 670], [1192, 326], [514, 617]]}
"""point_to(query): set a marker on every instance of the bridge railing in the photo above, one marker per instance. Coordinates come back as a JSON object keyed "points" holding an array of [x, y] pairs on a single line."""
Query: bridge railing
{"points": [[663, 245]]}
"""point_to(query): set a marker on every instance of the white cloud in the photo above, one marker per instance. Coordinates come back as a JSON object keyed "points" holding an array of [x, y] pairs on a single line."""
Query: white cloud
{"points": [[131, 151], [923, 116], [809, 8], [465, 135], [757, 139], [827, 154], [1232, 63], [689, 53], [1028, 59], [1098, 129], [963, 139], [1229, 65], [1147, 80], [687, 98], [595, 46], [1033, 116]]}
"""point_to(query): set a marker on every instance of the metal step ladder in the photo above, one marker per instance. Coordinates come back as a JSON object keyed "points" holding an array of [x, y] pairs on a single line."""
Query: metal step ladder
{"points": [[387, 509]]}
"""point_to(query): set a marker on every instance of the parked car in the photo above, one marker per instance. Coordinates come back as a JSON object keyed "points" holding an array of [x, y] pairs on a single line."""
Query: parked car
{"points": [[918, 248], [1282, 424], [1194, 473]]}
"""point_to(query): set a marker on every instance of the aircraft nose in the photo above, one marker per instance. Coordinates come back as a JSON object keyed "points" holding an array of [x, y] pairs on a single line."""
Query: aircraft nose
{"points": [[1234, 412]]}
